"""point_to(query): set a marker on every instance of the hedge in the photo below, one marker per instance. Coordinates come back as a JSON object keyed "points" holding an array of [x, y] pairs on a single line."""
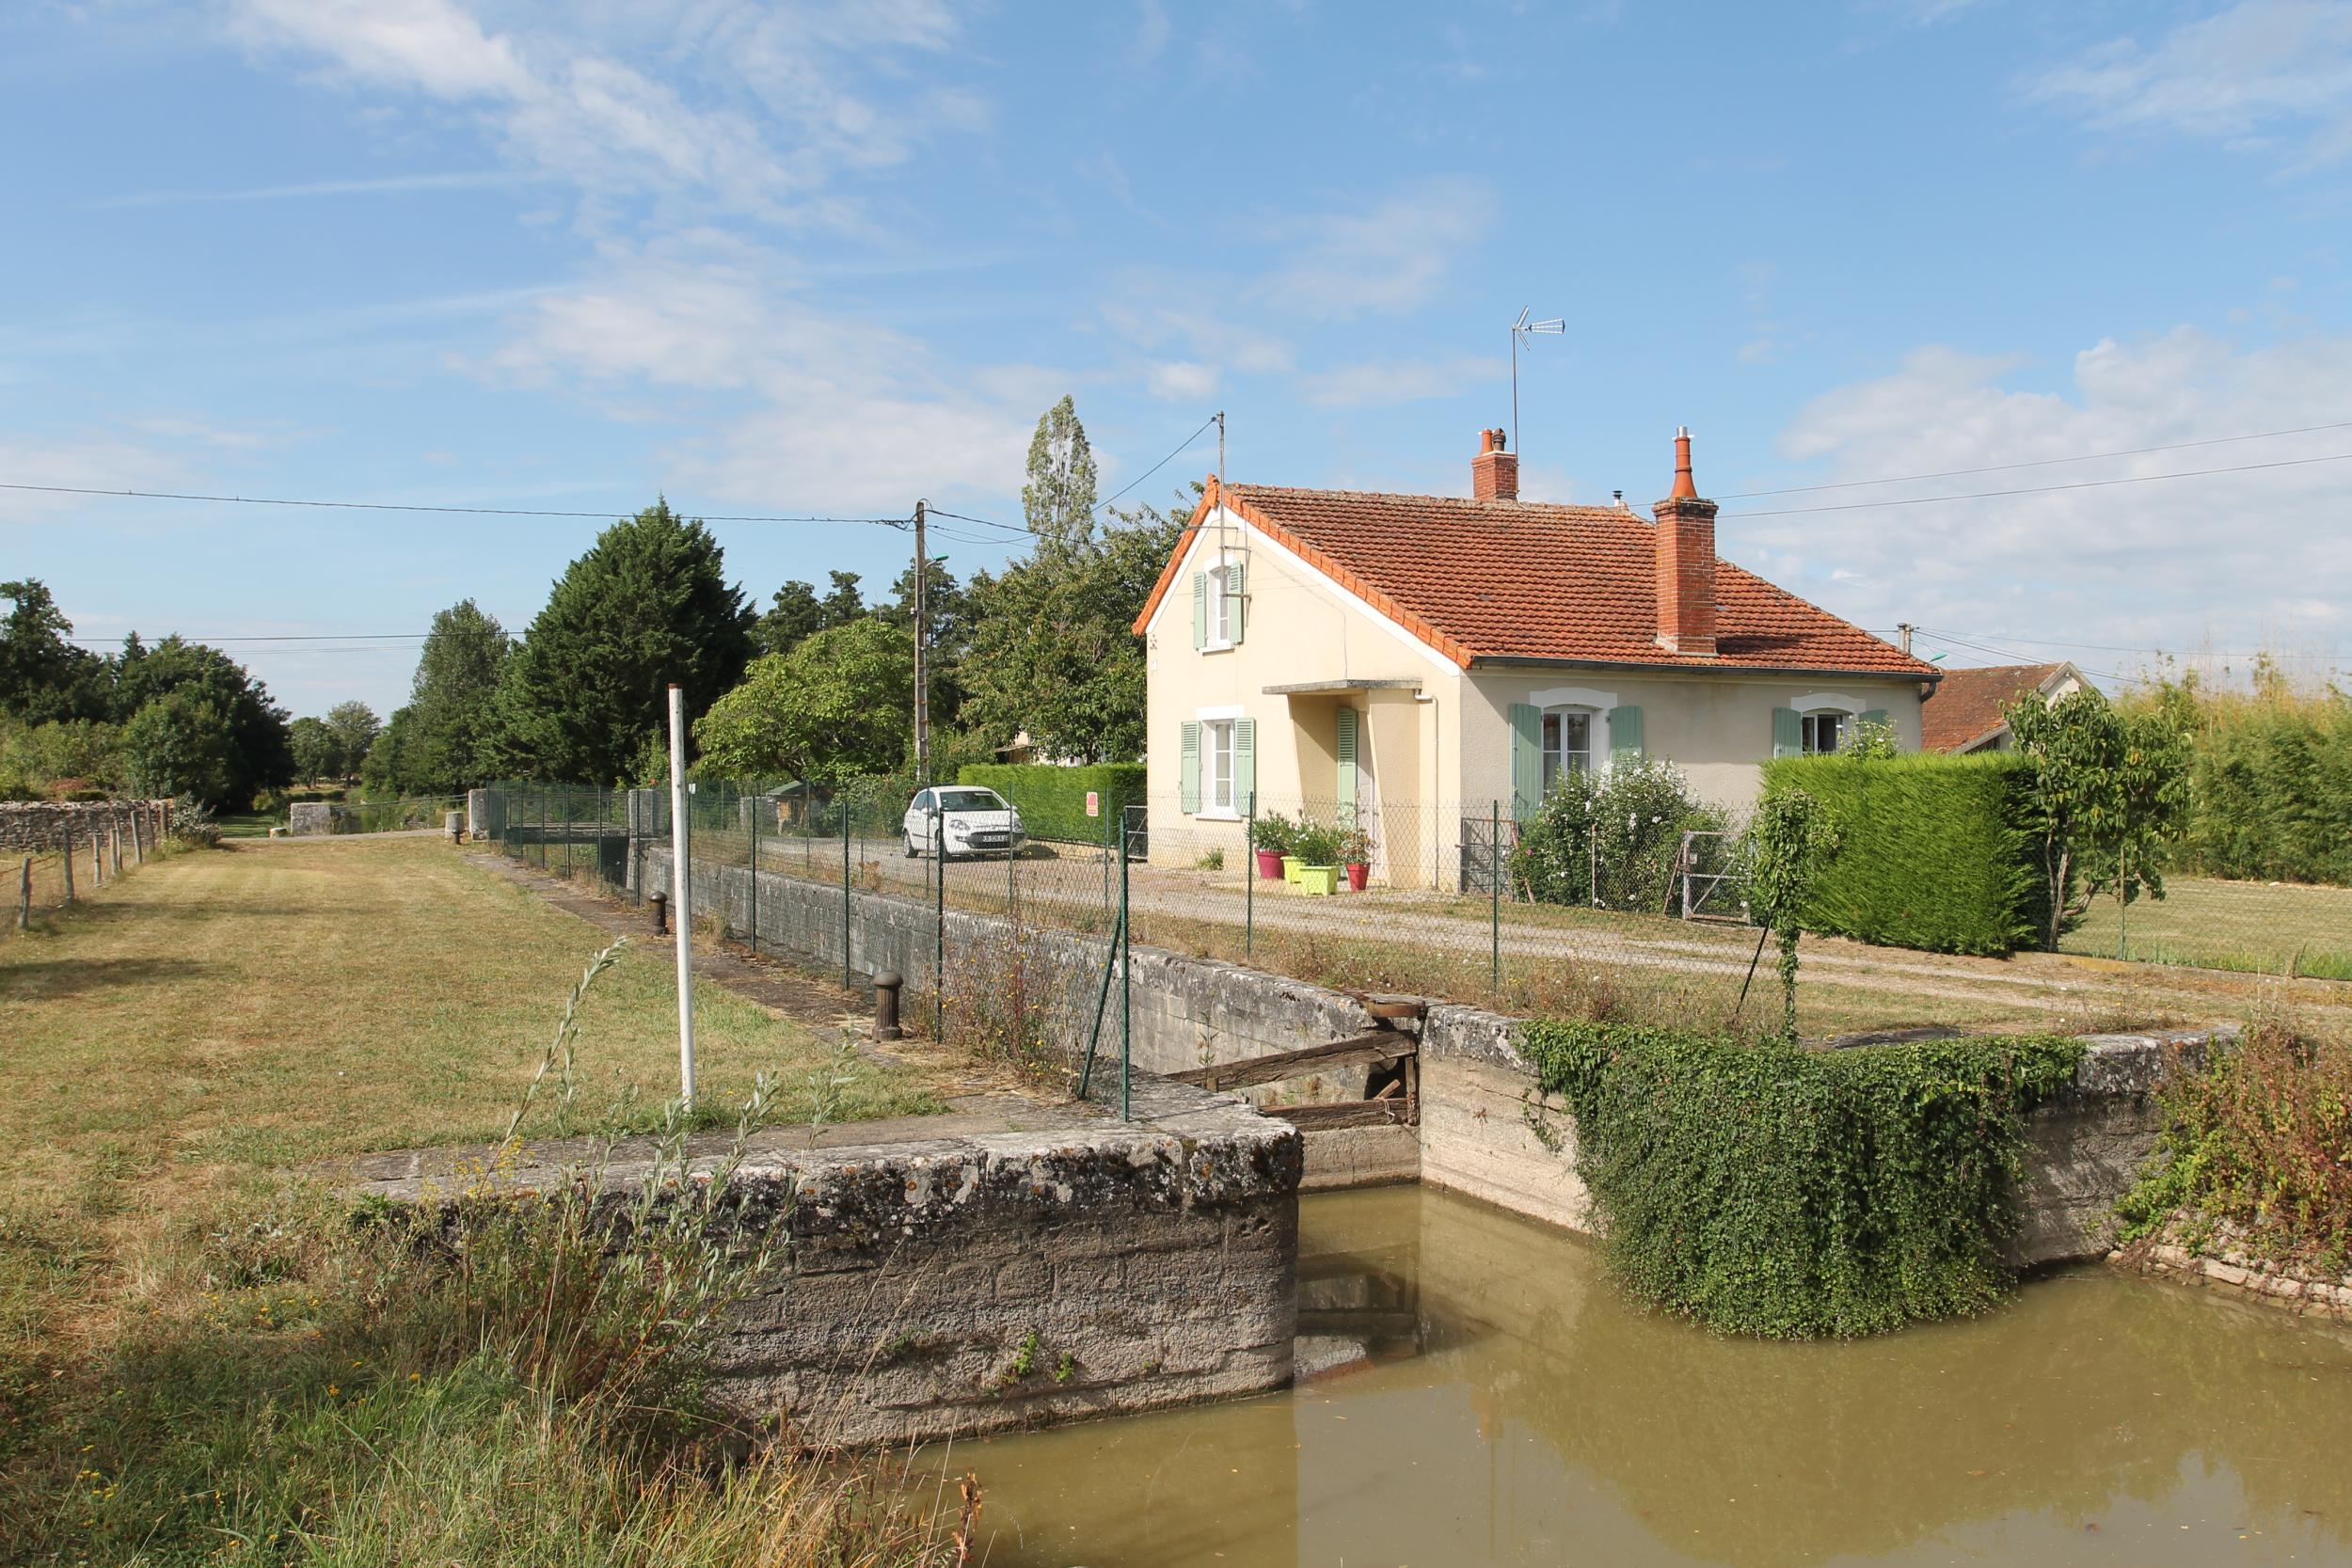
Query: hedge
{"points": [[1933, 852], [1053, 800]]}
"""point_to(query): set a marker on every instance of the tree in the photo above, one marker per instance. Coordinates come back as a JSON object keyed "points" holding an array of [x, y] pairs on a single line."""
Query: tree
{"points": [[354, 727], [948, 617], [260, 749], [1788, 840], [649, 605], [793, 615], [845, 603], [445, 738], [43, 675], [834, 708], [1059, 497], [2109, 792], [318, 751], [183, 744]]}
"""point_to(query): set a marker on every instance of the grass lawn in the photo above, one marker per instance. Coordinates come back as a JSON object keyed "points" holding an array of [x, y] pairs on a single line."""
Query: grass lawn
{"points": [[2258, 927], [180, 1045]]}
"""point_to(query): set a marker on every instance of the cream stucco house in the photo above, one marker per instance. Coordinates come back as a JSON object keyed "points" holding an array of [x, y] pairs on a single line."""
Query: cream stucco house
{"points": [[1417, 662]]}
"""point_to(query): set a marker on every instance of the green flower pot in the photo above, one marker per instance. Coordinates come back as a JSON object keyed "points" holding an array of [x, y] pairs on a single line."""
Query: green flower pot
{"points": [[1291, 865], [1318, 879]]}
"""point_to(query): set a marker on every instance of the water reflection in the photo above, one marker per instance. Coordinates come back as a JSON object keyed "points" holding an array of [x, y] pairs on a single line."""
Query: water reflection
{"points": [[1473, 1392]]}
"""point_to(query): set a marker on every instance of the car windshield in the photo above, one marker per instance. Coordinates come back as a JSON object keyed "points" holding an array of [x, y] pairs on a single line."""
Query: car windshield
{"points": [[970, 800]]}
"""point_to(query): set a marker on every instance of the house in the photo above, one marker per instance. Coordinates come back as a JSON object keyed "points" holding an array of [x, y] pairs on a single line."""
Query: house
{"points": [[1415, 662], [1965, 712]]}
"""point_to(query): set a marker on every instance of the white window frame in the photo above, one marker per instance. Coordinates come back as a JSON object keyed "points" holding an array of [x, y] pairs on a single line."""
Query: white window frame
{"points": [[1218, 587], [1808, 727], [1217, 741], [1595, 758]]}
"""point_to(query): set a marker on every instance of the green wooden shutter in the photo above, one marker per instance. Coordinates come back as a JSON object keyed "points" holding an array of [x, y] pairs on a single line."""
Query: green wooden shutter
{"points": [[1788, 735], [1625, 731], [1245, 764], [1527, 760], [1236, 604], [1189, 770], [1199, 611], [1344, 797]]}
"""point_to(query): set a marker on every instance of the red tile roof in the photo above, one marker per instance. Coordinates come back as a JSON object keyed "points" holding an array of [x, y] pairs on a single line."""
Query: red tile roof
{"points": [[1967, 703], [1528, 579]]}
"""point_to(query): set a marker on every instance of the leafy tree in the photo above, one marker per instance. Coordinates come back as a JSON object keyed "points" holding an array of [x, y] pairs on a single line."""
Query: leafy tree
{"points": [[40, 761], [43, 675], [836, 707], [183, 744], [793, 615], [845, 603], [649, 605], [318, 751], [947, 615], [2109, 792], [1059, 497], [354, 727], [1789, 839], [260, 749], [445, 738]]}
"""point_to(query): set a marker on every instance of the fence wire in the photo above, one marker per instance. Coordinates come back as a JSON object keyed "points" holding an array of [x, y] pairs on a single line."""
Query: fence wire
{"points": [[56, 855]]}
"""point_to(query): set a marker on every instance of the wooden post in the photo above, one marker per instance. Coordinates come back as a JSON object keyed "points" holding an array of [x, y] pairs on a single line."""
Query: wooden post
{"points": [[66, 828], [24, 894], [114, 840], [139, 845], [97, 858]]}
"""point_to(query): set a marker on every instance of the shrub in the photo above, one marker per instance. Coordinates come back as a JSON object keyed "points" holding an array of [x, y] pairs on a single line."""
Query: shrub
{"points": [[1774, 1191], [1273, 832], [1316, 845], [1053, 800], [1935, 852], [1609, 839], [2256, 1137]]}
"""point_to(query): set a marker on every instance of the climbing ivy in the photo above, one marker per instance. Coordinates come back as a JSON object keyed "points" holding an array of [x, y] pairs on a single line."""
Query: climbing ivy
{"points": [[1794, 1194]]}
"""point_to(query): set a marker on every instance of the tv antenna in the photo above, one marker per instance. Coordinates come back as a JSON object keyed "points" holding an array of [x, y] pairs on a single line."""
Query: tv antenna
{"points": [[1521, 330]]}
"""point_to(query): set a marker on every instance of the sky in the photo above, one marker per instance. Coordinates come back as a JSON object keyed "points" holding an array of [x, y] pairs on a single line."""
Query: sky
{"points": [[814, 260]]}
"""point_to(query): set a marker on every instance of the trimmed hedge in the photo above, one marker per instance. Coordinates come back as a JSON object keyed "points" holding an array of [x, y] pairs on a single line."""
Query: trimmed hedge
{"points": [[1933, 852], [1053, 800]]}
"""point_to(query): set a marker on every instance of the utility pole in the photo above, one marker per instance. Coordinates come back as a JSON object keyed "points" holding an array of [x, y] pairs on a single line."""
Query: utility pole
{"points": [[922, 634]]}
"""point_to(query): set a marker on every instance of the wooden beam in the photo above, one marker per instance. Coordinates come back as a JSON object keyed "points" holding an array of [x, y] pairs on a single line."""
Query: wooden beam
{"points": [[1381, 1045], [1345, 1112]]}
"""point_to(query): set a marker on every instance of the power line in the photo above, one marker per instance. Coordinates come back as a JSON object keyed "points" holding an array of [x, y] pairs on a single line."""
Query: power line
{"points": [[2119, 649], [2038, 463], [984, 522], [236, 637], [2013, 655], [1156, 466], [2046, 489], [396, 506]]}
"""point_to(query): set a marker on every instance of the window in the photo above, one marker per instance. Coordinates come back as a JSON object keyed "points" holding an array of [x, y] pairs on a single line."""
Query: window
{"points": [[1216, 770], [1567, 744], [1823, 732], [1220, 610], [970, 800]]}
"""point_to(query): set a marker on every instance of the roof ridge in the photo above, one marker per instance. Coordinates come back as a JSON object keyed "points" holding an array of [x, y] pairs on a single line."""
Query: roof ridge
{"points": [[1613, 511]]}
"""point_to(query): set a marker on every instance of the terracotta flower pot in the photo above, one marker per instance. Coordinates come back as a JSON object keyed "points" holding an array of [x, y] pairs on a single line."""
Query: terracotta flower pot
{"points": [[1356, 873], [1269, 865]]}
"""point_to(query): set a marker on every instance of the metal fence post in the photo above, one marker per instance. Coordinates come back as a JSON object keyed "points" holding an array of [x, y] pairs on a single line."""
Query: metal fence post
{"points": [[939, 928], [1494, 889], [847, 981], [758, 803], [1126, 948], [1249, 882]]}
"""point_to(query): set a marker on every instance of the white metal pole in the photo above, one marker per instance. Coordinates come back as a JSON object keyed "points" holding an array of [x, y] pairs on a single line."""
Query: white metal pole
{"points": [[680, 911]]}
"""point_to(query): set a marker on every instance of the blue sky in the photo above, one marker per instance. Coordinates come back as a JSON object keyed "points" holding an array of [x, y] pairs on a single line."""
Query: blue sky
{"points": [[785, 259]]}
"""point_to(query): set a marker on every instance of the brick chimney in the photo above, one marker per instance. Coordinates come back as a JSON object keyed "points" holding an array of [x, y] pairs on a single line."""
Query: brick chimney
{"points": [[1494, 472], [1686, 562]]}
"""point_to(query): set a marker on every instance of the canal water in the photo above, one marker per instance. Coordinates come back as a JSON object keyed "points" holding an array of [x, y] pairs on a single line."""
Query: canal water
{"points": [[1472, 1390]]}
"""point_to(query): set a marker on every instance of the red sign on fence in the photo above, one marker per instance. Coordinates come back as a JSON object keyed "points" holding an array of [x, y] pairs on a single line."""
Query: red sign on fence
{"points": [[1094, 802]]}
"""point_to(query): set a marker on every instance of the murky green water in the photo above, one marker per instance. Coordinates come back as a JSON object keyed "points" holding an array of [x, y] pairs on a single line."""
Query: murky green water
{"points": [[1473, 1391]]}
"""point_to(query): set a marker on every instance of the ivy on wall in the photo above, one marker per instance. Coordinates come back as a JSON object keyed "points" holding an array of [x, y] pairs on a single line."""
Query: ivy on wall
{"points": [[1791, 1194]]}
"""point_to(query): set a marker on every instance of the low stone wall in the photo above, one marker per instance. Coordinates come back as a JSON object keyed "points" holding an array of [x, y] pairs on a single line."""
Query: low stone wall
{"points": [[962, 1285], [1485, 1131], [313, 818], [2223, 1259]]}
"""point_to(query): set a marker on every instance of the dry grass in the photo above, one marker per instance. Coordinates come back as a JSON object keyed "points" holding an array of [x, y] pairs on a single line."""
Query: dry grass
{"points": [[2286, 929]]}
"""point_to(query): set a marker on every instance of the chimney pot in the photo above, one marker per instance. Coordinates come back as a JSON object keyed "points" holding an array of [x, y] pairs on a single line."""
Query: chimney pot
{"points": [[1494, 472], [1686, 561]]}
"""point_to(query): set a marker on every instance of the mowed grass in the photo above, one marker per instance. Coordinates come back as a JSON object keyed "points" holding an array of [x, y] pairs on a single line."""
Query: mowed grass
{"points": [[226, 1015], [200, 1358], [2286, 929]]}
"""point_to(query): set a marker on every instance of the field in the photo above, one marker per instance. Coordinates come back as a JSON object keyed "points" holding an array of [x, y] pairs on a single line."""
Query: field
{"points": [[180, 1045], [2286, 929]]}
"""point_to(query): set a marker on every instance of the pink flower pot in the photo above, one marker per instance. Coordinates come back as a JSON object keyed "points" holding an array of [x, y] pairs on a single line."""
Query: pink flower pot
{"points": [[1355, 875], [1269, 865]]}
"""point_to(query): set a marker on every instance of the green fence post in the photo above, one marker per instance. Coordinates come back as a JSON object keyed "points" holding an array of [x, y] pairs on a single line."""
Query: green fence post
{"points": [[758, 804], [1126, 1011], [1249, 882], [847, 983], [1494, 887]]}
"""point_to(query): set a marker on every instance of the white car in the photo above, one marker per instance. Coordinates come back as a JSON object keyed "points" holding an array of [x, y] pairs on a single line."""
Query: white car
{"points": [[968, 821]]}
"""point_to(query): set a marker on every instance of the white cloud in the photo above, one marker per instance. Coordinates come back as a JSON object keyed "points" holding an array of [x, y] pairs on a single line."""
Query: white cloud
{"points": [[1184, 380], [1386, 260], [97, 461], [2228, 561], [1379, 383], [462, 180], [2259, 71], [758, 110], [811, 408]]}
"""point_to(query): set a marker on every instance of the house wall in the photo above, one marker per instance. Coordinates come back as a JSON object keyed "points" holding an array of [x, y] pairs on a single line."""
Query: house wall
{"points": [[1717, 728], [1298, 626]]}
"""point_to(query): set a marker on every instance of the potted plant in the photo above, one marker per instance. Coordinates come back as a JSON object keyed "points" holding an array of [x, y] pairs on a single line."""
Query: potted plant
{"points": [[1318, 850], [1355, 856], [1271, 837]]}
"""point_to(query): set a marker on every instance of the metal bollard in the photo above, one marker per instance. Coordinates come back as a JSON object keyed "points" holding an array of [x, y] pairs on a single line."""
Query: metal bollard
{"points": [[660, 902], [886, 986]]}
